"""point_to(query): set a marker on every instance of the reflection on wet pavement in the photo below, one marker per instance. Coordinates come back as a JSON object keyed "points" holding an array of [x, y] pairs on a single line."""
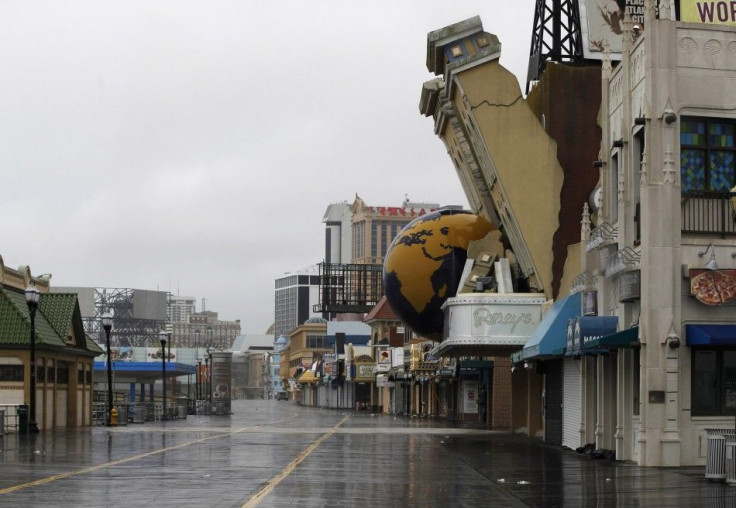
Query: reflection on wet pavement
{"points": [[274, 454]]}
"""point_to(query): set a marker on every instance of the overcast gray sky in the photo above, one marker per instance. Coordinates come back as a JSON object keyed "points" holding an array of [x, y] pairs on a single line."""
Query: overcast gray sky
{"points": [[193, 146]]}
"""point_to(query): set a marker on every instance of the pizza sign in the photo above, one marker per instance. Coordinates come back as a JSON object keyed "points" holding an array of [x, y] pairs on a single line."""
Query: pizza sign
{"points": [[713, 287]]}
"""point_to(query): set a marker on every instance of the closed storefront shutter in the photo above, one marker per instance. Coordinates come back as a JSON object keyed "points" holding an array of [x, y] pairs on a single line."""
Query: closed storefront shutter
{"points": [[572, 403]]}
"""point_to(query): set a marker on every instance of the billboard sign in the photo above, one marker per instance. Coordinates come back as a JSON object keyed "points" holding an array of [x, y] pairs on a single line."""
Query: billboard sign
{"points": [[708, 12], [397, 356], [601, 22]]}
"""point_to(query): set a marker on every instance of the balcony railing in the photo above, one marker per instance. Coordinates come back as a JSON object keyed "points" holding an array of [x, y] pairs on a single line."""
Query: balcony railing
{"points": [[708, 213], [625, 259], [583, 282], [603, 234]]}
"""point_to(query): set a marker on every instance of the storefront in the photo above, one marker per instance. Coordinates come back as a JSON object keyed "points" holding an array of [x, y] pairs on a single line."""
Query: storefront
{"points": [[363, 374], [598, 415], [487, 327], [616, 358], [545, 348]]}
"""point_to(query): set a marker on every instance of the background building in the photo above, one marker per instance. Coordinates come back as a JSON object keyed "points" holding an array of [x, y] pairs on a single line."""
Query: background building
{"points": [[180, 308], [205, 330], [272, 383], [138, 314], [375, 227], [338, 233], [250, 352], [295, 295]]}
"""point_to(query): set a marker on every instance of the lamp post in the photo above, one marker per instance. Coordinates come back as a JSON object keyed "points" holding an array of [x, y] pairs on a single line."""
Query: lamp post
{"points": [[205, 389], [107, 326], [162, 338], [212, 366], [199, 379], [33, 295]]}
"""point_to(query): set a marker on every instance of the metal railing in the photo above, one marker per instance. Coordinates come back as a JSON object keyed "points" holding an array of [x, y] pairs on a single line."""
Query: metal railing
{"points": [[708, 213], [622, 260], [604, 233], [11, 423]]}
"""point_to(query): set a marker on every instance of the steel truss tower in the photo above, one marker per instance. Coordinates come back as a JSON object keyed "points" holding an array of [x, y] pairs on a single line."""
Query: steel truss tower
{"points": [[127, 330], [556, 36]]}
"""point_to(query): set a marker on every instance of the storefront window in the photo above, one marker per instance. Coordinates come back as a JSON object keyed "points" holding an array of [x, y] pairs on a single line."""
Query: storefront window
{"points": [[11, 372], [729, 380], [714, 382], [62, 374]]}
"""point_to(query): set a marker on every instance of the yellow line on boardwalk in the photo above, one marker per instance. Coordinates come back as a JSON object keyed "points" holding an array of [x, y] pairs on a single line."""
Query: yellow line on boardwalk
{"points": [[256, 499], [91, 469]]}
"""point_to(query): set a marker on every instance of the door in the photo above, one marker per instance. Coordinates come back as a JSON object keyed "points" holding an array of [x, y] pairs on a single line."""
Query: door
{"points": [[553, 403]]}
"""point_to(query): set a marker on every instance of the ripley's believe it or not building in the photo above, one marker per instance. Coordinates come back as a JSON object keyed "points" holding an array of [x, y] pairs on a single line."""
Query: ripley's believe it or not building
{"points": [[610, 187]]}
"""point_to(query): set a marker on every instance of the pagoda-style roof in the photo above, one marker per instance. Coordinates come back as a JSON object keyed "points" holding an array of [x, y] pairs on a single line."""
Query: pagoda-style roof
{"points": [[382, 311], [58, 323]]}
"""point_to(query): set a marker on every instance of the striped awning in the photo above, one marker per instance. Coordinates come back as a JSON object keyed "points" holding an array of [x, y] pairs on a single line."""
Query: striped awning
{"points": [[308, 377]]}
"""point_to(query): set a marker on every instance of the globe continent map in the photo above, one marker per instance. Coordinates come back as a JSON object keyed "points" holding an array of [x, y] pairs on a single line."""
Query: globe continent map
{"points": [[424, 263]]}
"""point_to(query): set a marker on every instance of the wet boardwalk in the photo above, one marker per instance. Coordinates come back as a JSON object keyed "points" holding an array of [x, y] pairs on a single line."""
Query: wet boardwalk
{"points": [[278, 454]]}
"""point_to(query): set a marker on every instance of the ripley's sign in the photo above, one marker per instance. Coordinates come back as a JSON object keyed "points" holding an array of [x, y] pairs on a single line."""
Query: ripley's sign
{"points": [[708, 12]]}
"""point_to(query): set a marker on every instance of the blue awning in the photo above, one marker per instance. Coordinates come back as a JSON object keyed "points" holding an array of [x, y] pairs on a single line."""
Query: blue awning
{"points": [[143, 372], [589, 329], [619, 340], [710, 335], [550, 337]]}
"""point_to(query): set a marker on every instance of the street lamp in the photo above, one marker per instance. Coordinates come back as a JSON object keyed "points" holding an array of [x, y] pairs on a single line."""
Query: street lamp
{"points": [[107, 326], [33, 295], [205, 388], [199, 379], [162, 338], [212, 366]]}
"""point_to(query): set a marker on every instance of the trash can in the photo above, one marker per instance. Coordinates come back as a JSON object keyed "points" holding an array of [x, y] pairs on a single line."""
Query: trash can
{"points": [[731, 459], [139, 413], [122, 413], [715, 458], [2, 422], [219, 408], [181, 410], [22, 411]]}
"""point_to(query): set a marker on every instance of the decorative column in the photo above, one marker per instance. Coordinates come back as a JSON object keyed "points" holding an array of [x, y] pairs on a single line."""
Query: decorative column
{"points": [[659, 441]]}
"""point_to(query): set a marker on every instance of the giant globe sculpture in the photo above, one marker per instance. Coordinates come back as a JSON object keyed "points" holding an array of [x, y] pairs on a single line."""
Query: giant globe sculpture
{"points": [[424, 263]]}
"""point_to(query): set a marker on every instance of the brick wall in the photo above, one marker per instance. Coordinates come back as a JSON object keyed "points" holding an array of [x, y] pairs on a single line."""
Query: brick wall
{"points": [[501, 416]]}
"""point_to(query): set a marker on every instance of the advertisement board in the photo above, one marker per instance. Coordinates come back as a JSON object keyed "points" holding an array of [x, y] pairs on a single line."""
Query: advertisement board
{"points": [[221, 379], [601, 22], [365, 371], [470, 396], [708, 12], [397, 356]]}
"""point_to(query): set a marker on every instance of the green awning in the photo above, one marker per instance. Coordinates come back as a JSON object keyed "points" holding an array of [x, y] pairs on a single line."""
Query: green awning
{"points": [[624, 339]]}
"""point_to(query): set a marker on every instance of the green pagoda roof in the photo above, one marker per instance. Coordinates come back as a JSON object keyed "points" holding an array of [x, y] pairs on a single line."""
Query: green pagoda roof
{"points": [[57, 320]]}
